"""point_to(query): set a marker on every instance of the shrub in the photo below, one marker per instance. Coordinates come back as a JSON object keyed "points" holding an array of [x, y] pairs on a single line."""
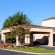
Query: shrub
{"points": [[6, 45], [14, 44], [1, 42], [22, 44], [26, 44]]}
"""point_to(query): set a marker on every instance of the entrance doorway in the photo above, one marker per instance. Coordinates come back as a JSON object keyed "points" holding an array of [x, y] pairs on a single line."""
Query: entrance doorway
{"points": [[54, 39], [39, 38]]}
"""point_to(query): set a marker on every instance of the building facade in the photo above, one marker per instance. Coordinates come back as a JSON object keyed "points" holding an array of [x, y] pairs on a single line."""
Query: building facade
{"points": [[44, 34]]}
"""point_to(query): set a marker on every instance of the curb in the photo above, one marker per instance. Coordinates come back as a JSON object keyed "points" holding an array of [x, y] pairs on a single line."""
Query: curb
{"points": [[25, 52]]}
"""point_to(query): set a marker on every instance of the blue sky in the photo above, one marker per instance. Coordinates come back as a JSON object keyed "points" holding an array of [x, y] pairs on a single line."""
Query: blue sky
{"points": [[37, 10]]}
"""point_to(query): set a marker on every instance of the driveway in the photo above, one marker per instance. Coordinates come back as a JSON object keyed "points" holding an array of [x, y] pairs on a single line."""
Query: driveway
{"points": [[6, 52], [46, 47]]}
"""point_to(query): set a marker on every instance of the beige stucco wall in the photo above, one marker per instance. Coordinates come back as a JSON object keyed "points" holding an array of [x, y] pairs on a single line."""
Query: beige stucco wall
{"points": [[37, 29], [41, 30], [5, 30], [27, 40], [3, 37], [39, 36], [48, 23]]}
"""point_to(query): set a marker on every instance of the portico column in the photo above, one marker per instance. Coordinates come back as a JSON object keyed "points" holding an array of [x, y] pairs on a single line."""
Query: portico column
{"points": [[50, 39], [27, 38], [17, 40], [3, 38]]}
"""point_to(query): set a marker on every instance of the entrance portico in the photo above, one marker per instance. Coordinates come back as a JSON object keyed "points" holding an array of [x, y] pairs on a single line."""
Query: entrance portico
{"points": [[45, 31]]}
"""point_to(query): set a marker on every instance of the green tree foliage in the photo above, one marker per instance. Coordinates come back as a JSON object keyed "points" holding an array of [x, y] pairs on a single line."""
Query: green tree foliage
{"points": [[16, 19], [20, 31], [10, 39], [0, 35], [1, 42]]}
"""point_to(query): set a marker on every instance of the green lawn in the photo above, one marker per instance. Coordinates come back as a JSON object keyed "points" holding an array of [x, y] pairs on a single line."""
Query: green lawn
{"points": [[35, 50]]}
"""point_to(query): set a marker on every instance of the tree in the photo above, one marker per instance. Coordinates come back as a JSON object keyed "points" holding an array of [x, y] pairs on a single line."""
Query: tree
{"points": [[0, 35], [10, 39], [20, 31], [17, 19]]}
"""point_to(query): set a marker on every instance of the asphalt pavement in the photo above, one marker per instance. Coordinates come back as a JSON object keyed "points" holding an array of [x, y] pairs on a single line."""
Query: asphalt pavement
{"points": [[7, 52]]}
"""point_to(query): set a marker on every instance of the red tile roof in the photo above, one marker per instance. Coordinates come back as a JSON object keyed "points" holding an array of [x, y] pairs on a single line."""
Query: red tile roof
{"points": [[52, 18], [35, 26]]}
